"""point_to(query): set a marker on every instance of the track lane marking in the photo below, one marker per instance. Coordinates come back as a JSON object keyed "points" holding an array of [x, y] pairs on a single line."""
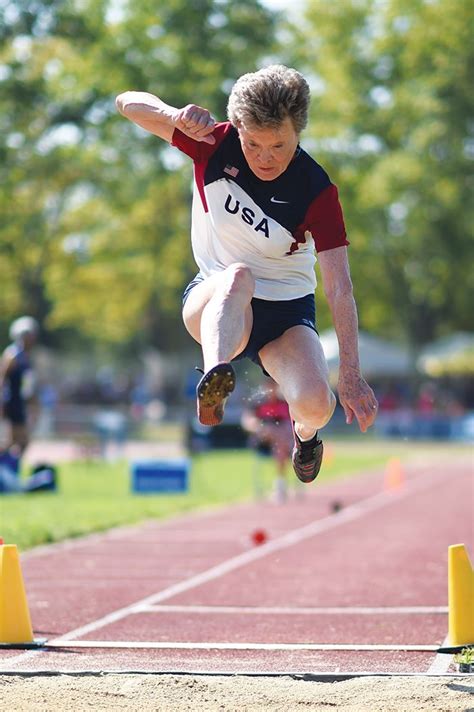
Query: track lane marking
{"points": [[349, 514], [170, 645], [304, 611], [442, 662]]}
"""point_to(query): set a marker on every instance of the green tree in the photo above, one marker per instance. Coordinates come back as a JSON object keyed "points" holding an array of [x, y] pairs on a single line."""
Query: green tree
{"points": [[94, 236], [392, 120]]}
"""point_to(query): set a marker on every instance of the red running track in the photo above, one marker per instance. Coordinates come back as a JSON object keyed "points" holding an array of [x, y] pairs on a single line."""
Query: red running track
{"points": [[360, 590]]}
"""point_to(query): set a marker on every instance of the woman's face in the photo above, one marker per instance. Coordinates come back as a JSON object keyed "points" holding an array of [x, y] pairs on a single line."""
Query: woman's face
{"points": [[268, 151]]}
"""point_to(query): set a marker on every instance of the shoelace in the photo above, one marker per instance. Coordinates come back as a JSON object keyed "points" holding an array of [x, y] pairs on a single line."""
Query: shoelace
{"points": [[307, 450]]}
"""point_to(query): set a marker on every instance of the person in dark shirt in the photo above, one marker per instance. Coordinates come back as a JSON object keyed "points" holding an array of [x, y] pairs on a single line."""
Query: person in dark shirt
{"points": [[17, 382]]}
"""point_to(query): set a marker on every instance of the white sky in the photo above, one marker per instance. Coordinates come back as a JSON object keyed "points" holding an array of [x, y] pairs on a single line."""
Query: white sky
{"points": [[291, 6]]}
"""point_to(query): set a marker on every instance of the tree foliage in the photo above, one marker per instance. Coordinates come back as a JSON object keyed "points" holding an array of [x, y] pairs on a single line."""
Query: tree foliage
{"points": [[94, 232], [392, 118], [95, 213]]}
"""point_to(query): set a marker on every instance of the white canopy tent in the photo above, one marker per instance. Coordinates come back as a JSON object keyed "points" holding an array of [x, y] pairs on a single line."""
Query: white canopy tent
{"points": [[379, 358], [450, 355]]}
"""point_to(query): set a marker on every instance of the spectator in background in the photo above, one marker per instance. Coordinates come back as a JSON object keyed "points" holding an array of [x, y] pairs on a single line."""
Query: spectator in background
{"points": [[17, 382], [269, 425], [426, 404], [388, 400]]}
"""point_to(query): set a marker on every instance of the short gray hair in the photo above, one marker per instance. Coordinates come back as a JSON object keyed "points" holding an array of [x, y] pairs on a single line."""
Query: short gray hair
{"points": [[265, 98]]}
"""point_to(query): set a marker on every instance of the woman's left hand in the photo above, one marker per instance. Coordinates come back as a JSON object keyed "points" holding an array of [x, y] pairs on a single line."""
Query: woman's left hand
{"points": [[357, 398]]}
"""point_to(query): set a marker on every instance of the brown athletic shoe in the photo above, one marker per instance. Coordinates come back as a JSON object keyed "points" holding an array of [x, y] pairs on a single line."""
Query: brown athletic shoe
{"points": [[307, 457], [212, 392]]}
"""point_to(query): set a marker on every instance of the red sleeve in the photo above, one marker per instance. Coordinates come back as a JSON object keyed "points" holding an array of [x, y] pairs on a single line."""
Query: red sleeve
{"points": [[325, 221], [200, 151]]}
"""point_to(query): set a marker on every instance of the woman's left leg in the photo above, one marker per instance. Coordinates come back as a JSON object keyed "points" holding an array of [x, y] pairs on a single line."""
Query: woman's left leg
{"points": [[296, 362]]}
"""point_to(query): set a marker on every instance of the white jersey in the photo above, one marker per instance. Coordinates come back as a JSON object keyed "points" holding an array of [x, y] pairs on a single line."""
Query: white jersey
{"points": [[274, 227]]}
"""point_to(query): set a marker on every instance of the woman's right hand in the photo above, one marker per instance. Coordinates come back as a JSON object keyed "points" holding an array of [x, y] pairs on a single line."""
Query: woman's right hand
{"points": [[196, 122]]}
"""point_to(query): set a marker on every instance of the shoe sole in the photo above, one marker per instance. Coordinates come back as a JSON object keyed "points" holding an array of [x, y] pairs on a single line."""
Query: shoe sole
{"points": [[212, 392]]}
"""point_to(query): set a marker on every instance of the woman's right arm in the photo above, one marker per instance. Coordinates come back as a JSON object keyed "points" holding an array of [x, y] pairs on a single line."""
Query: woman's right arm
{"points": [[160, 119]]}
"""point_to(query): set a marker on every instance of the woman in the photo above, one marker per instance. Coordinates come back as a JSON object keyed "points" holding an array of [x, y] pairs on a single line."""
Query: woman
{"points": [[261, 208]]}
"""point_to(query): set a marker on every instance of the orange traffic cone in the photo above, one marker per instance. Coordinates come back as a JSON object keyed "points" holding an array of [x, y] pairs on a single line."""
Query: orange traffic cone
{"points": [[394, 475], [328, 455]]}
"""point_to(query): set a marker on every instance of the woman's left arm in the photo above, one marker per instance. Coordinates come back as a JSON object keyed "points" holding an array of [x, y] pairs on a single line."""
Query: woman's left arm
{"points": [[356, 396]]}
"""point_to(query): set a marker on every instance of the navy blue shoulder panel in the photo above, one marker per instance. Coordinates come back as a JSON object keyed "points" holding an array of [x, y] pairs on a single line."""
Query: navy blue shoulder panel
{"points": [[285, 199]]}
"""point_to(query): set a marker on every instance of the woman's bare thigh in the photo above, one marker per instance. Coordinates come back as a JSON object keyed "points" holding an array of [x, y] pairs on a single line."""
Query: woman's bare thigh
{"points": [[197, 300], [296, 362]]}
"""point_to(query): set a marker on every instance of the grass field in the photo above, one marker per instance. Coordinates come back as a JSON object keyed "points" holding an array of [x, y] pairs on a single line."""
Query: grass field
{"points": [[95, 495]]}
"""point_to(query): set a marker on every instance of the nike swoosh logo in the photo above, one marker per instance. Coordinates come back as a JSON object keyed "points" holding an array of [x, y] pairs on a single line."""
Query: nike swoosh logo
{"points": [[274, 200]]}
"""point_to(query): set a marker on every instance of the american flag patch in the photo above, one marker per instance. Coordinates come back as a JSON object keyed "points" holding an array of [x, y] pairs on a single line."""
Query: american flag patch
{"points": [[231, 170]]}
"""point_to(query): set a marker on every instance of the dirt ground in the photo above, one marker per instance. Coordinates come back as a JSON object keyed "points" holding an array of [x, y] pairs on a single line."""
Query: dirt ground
{"points": [[172, 693]]}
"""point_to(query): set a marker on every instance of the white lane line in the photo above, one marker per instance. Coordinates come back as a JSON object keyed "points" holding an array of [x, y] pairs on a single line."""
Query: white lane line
{"points": [[169, 645], [349, 514], [304, 611], [296, 536], [442, 661]]}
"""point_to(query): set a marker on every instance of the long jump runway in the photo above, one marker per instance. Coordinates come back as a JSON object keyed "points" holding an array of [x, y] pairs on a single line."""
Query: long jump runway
{"points": [[363, 589]]}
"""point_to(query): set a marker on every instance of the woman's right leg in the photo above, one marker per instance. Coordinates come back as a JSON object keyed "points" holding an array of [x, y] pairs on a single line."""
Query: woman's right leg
{"points": [[218, 314]]}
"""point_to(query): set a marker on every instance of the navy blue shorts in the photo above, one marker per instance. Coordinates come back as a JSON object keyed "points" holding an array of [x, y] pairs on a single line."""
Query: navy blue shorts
{"points": [[270, 320]]}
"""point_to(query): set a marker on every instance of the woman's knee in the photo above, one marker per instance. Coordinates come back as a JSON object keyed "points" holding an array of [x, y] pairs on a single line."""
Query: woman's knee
{"points": [[315, 405], [236, 281], [239, 280]]}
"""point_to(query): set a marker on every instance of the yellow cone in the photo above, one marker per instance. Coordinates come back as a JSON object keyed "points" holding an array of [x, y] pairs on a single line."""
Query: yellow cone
{"points": [[15, 622], [460, 596]]}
